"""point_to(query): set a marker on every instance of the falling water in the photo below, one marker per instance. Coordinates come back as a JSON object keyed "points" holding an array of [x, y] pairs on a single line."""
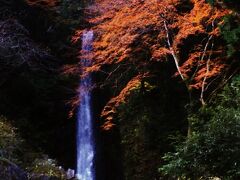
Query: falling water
{"points": [[85, 142]]}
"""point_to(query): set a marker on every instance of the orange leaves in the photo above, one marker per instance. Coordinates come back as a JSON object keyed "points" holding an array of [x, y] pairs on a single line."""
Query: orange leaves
{"points": [[200, 11], [77, 36], [45, 3], [70, 69], [110, 109], [119, 32], [132, 32], [215, 69], [190, 42], [160, 54]]}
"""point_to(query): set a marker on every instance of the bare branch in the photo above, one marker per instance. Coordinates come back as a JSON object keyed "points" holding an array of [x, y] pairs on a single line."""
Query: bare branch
{"points": [[17, 48], [207, 65], [207, 69], [172, 51]]}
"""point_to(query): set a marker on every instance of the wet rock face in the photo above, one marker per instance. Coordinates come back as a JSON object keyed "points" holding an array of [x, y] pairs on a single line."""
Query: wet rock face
{"points": [[9, 170]]}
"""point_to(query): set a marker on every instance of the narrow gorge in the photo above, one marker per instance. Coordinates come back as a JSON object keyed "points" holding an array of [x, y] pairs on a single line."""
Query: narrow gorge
{"points": [[119, 89]]}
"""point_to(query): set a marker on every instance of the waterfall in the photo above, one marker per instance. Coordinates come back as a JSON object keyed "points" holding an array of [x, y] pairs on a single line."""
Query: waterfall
{"points": [[85, 140]]}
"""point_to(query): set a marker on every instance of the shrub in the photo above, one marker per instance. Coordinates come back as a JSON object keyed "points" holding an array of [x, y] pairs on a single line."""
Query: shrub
{"points": [[230, 31], [47, 167], [10, 142], [214, 147]]}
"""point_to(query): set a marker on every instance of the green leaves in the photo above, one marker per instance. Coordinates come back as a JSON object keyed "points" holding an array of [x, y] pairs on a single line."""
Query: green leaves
{"points": [[230, 29], [211, 2], [213, 149], [231, 34]]}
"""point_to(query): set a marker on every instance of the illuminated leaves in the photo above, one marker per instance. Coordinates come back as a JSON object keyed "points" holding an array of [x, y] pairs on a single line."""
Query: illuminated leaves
{"points": [[110, 109], [132, 32]]}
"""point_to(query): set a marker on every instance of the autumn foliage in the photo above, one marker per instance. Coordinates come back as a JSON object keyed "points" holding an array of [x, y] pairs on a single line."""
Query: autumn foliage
{"points": [[130, 38], [44, 3]]}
